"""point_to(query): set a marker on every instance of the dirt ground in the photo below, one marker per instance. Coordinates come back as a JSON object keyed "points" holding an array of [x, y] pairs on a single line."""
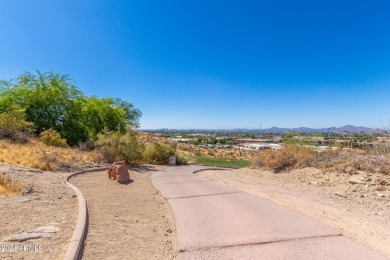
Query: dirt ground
{"points": [[357, 205], [134, 222], [127, 221], [51, 203]]}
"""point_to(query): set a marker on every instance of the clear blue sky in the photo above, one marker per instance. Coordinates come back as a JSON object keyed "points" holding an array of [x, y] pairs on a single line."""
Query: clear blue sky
{"points": [[212, 64]]}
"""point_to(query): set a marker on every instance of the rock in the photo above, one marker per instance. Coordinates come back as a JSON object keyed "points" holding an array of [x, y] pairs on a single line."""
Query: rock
{"points": [[27, 190], [341, 194], [118, 171], [380, 194], [49, 229], [44, 231], [24, 236], [355, 179]]}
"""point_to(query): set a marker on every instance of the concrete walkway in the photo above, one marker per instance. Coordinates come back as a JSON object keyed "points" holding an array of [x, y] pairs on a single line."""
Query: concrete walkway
{"points": [[217, 222]]}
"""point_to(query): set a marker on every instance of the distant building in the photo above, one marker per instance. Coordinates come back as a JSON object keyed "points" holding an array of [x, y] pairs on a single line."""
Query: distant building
{"points": [[246, 140], [180, 139], [258, 146]]}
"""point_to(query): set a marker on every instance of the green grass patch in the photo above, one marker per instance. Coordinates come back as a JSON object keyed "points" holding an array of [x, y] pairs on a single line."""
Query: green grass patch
{"points": [[217, 162]]}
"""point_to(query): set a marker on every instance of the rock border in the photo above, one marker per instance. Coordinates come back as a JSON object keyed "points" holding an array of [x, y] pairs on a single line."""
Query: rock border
{"points": [[215, 168], [79, 234]]}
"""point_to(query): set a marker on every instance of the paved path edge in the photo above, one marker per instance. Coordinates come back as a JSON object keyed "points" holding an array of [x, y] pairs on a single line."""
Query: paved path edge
{"points": [[79, 234], [193, 173]]}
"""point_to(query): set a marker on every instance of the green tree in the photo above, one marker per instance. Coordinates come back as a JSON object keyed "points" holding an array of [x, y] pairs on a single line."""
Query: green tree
{"points": [[108, 113], [52, 101], [49, 100], [212, 140]]}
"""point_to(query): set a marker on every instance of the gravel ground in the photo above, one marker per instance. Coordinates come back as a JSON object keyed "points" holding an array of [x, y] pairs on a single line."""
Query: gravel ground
{"points": [[127, 221], [334, 199], [47, 216]]}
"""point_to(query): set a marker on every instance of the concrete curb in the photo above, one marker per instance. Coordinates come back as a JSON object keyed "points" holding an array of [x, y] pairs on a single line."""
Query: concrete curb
{"points": [[79, 234], [214, 169]]}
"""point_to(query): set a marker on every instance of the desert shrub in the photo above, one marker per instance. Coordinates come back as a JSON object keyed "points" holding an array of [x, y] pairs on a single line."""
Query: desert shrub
{"points": [[180, 160], [211, 152], [40, 156], [291, 156], [158, 153], [349, 161], [88, 145], [9, 186], [53, 138], [14, 127], [116, 146]]}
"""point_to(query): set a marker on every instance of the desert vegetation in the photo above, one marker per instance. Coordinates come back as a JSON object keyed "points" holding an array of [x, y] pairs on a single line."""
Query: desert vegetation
{"points": [[46, 122], [9, 186], [376, 159], [36, 154], [44, 101], [114, 146]]}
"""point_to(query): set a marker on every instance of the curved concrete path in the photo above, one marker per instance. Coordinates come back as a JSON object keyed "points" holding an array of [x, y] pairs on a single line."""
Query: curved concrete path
{"points": [[217, 222]]}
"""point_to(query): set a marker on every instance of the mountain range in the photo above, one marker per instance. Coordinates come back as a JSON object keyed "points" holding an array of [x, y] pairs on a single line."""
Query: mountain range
{"points": [[346, 128]]}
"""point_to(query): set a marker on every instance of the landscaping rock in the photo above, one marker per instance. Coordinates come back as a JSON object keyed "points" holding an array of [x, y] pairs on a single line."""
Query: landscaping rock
{"points": [[355, 179], [118, 171], [27, 190], [44, 231], [24, 236], [50, 229]]}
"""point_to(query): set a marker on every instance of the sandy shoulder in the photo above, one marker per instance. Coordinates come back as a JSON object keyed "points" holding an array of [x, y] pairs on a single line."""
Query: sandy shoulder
{"points": [[361, 216], [51, 204], [130, 221]]}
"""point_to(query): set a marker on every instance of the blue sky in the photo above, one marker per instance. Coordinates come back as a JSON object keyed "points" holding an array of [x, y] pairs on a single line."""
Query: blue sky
{"points": [[212, 64]]}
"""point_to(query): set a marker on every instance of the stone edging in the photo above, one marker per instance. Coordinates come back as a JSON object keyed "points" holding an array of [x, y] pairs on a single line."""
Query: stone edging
{"points": [[79, 234], [214, 169]]}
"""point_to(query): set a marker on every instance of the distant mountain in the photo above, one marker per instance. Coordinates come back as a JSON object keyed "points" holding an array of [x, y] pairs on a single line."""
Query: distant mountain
{"points": [[346, 128], [354, 129], [276, 130], [305, 129]]}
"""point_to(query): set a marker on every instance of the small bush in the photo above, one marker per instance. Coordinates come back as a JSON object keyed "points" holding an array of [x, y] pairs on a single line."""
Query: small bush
{"points": [[88, 145], [115, 146], [9, 186], [180, 160], [211, 153], [158, 153], [53, 138], [14, 127], [291, 156]]}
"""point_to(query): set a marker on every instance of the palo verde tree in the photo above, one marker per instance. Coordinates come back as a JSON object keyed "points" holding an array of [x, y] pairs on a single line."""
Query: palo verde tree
{"points": [[52, 101], [108, 113]]}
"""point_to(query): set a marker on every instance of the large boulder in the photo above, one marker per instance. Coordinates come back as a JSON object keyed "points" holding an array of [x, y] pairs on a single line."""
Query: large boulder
{"points": [[118, 171]]}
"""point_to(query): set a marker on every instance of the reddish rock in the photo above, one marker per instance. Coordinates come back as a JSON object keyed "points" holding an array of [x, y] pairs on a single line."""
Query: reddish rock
{"points": [[118, 171]]}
